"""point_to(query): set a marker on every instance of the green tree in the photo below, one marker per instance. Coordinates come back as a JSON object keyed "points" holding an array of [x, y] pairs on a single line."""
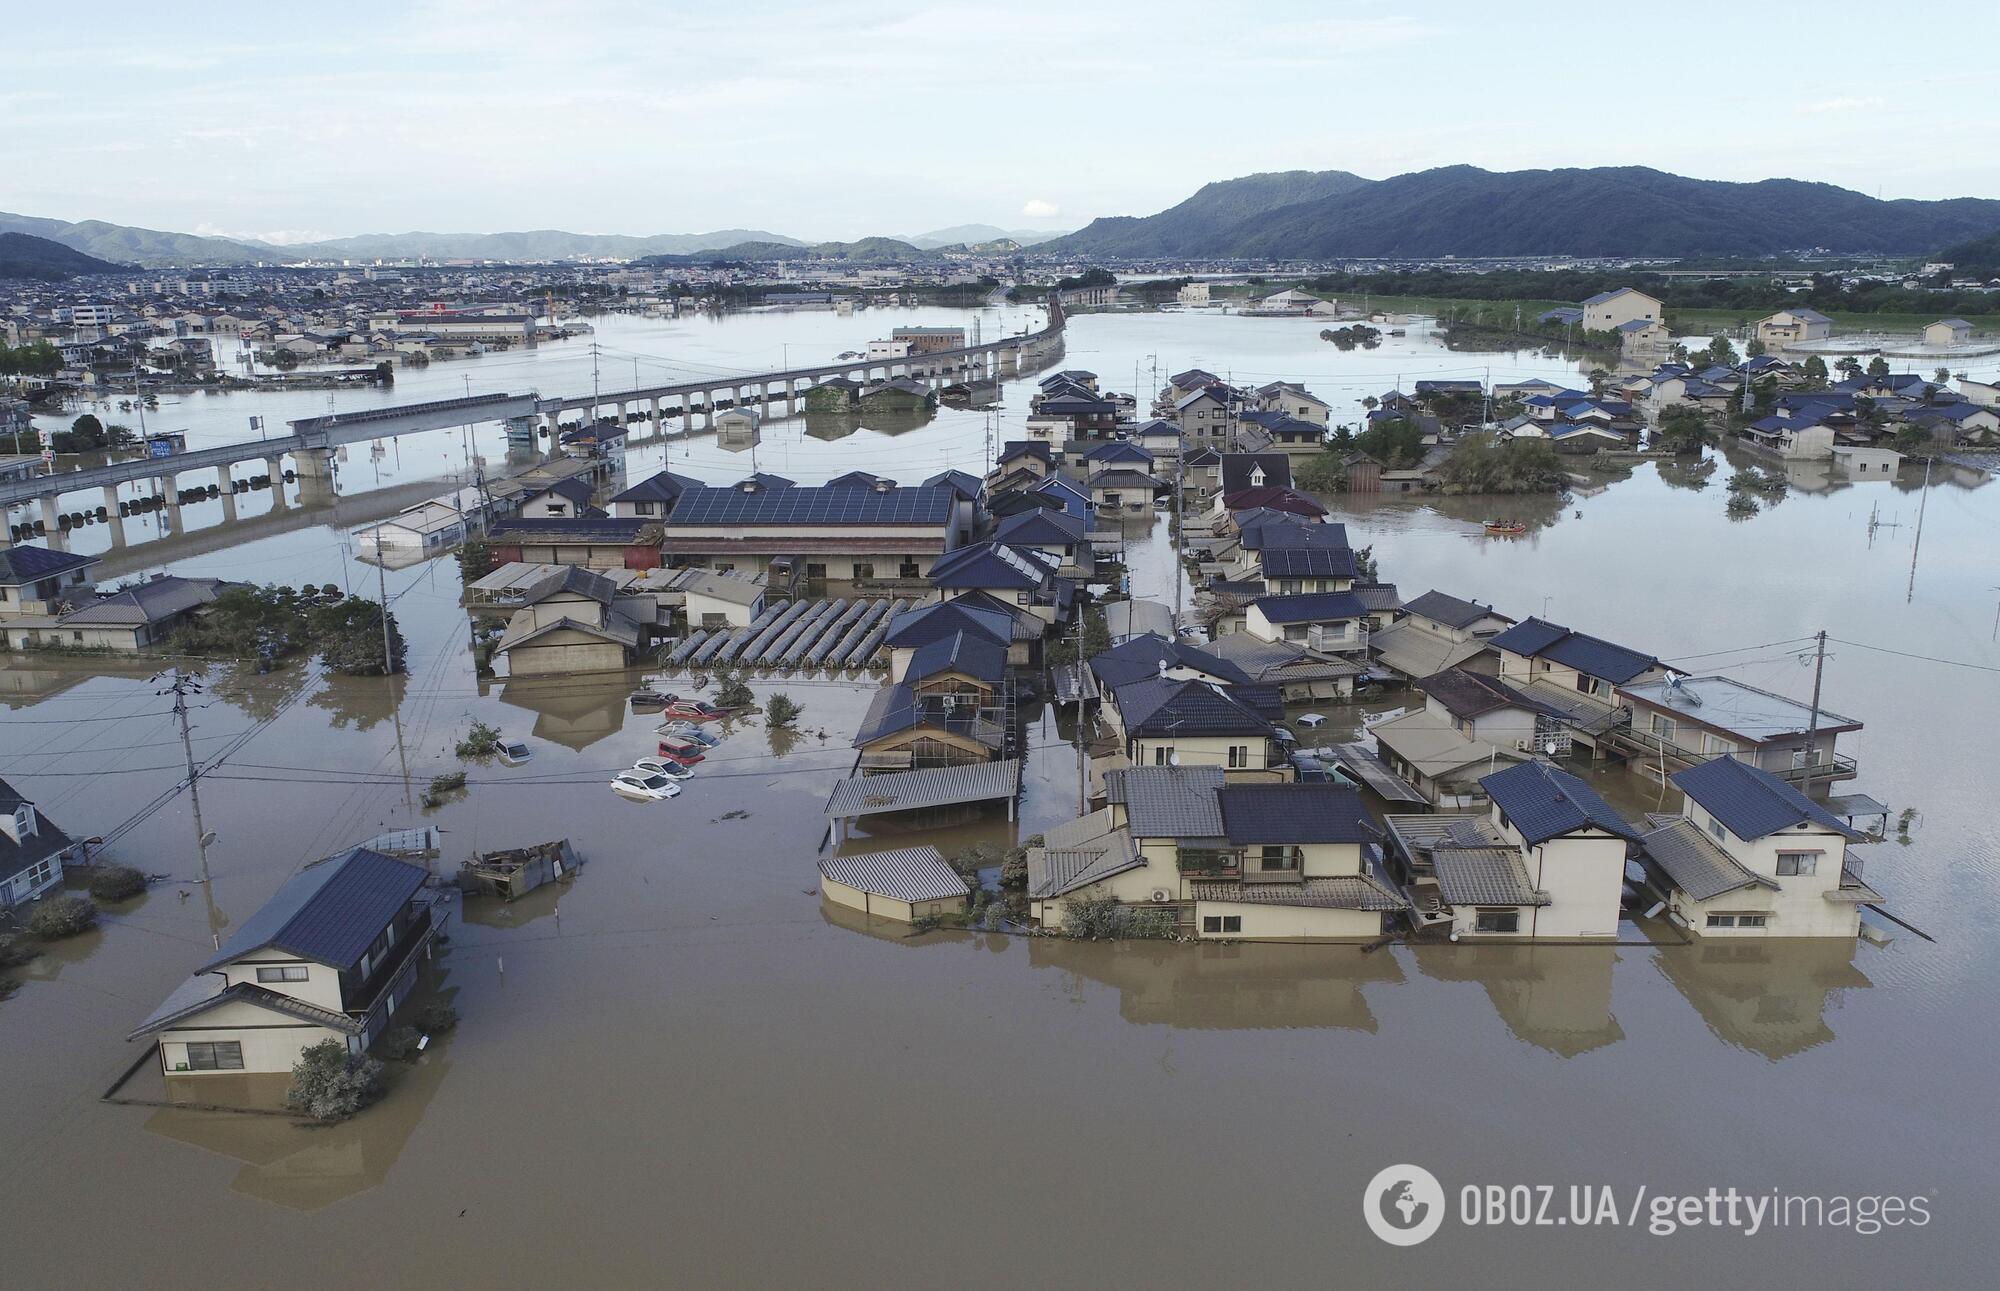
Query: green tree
{"points": [[330, 1084], [1878, 366], [1683, 430], [781, 710], [1395, 442], [1755, 349], [1814, 370], [1848, 366]]}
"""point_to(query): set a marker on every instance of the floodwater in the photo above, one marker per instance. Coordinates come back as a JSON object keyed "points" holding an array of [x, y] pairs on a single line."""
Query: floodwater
{"points": [[681, 1069]]}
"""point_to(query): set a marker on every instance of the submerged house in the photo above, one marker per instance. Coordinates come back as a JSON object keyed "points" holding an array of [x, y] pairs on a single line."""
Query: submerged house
{"points": [[127, 621], [32, 849], [905, 885], [1231, 861], [331, 956], [568, 624], [1574, 672], [949, 708], [1546, 862], [1750, 855]]}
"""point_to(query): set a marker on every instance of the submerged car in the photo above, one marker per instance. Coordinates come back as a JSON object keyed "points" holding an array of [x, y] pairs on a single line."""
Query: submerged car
{"points": [[514, 752], [687, 730], [644, 786], [663, 766]]}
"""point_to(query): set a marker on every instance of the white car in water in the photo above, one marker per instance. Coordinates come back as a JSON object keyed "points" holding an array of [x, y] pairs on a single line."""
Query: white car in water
{"points": [[514, 752], [644, 786], [662, 766]]}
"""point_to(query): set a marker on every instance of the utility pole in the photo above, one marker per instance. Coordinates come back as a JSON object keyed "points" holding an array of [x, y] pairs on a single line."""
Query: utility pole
{"points": [[1082, 749], [1812, 722], [182, 686], [382, 590]]}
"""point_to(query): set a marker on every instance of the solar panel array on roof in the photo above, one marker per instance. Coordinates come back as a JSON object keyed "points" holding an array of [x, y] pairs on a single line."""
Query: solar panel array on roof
{"points": [[812, 506]]}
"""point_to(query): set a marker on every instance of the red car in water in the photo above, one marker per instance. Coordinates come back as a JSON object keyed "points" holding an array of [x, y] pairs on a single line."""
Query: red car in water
{"points": [[676, 749]]}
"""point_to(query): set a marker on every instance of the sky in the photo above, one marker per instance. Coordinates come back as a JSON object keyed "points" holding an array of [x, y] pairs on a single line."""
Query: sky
{"points": [[295, 122]]}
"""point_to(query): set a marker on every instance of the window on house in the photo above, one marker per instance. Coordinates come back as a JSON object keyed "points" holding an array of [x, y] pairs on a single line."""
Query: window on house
{"points": [[38, 874], [1277, 858], [283, 973], [642, 508], [1211, 923], [1232, 923], [863, 571], [1752, 920], [215, 1055], [1497, 921], [1159, 755], [1722, 921], [1715, 828], [1792, 864], [1239, 755], [909, 569]]}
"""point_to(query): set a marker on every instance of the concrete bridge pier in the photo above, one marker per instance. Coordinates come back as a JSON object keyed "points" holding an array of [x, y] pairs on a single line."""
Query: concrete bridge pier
{"points": [[274, 469], [117, 524], [657, 427], [791, 397], [170, 489], [687, 413], [111, 500], [621, 414]]}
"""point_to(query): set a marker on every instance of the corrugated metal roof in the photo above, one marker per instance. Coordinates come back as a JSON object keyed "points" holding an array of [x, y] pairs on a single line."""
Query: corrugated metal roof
{"points": [[1484, 876], [930, 787], [1339, 892], [1693, 863], [331, 912], [907, 874]]}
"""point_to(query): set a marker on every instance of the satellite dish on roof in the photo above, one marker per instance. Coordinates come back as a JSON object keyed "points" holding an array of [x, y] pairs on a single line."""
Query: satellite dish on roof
{"points": [[1549, 748]]}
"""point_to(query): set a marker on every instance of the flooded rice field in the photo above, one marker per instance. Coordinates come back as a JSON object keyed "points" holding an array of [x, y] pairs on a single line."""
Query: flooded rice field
{"points": [[683, 1069]]}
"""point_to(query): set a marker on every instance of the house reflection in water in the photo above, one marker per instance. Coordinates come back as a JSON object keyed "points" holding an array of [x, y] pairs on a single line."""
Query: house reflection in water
{"points": [[575, 712], [1769, 995], [1555, 997], [1231, 986], [307, 1168]]}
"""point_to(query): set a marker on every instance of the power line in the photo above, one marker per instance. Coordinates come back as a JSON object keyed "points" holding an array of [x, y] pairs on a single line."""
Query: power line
{"points": [[1926, 658]]}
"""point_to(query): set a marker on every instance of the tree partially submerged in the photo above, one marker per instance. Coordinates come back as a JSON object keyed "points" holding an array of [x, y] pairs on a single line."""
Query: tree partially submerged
{"points": [[330, 1084], [63, 916], [274, 622]]}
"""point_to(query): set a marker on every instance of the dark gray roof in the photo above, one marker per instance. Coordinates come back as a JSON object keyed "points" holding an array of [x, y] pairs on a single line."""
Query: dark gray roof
{"points": [[331, 913], [1538, 638], [156, 600], [47, 840], [1451, 611], [1165, 707], [1140, 658], [929, 623], [974, 655], [28, 563], [1169, 802], [1751, 802], [662, 487], [576, 580], [1294, 813], [907, 874], [1544, 803], [1311, 607]]}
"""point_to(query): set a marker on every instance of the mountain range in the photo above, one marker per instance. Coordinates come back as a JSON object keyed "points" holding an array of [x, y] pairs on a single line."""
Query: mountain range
{"points": [[1466, 211], [23, 255], [976, 235]]}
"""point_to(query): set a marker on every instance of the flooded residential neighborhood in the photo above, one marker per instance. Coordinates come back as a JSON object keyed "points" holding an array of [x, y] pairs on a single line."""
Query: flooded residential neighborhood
{"points": [[684, 1038], [1349, 678]]}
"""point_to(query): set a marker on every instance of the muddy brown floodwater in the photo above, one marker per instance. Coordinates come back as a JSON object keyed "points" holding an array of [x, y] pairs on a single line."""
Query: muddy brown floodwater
{"points": [[681, 1069]]}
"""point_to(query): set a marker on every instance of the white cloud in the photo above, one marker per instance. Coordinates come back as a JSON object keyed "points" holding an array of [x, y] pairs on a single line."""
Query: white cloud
{"points": [[1842, 105], [1039, 209], [276, 237]]}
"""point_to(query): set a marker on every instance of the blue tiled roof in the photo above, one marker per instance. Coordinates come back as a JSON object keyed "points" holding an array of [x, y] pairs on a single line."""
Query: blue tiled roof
{"points": [[1294, 813], [710, 507], [331, 913], [1311, 607], [1042, 527], [27, 563], [1166, 708], [973, 654], [1538, 638], [663, 487], [1545, 803], [992, 564], [1751, 802], [916, 627], [960, 482], [1141, 657]]}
